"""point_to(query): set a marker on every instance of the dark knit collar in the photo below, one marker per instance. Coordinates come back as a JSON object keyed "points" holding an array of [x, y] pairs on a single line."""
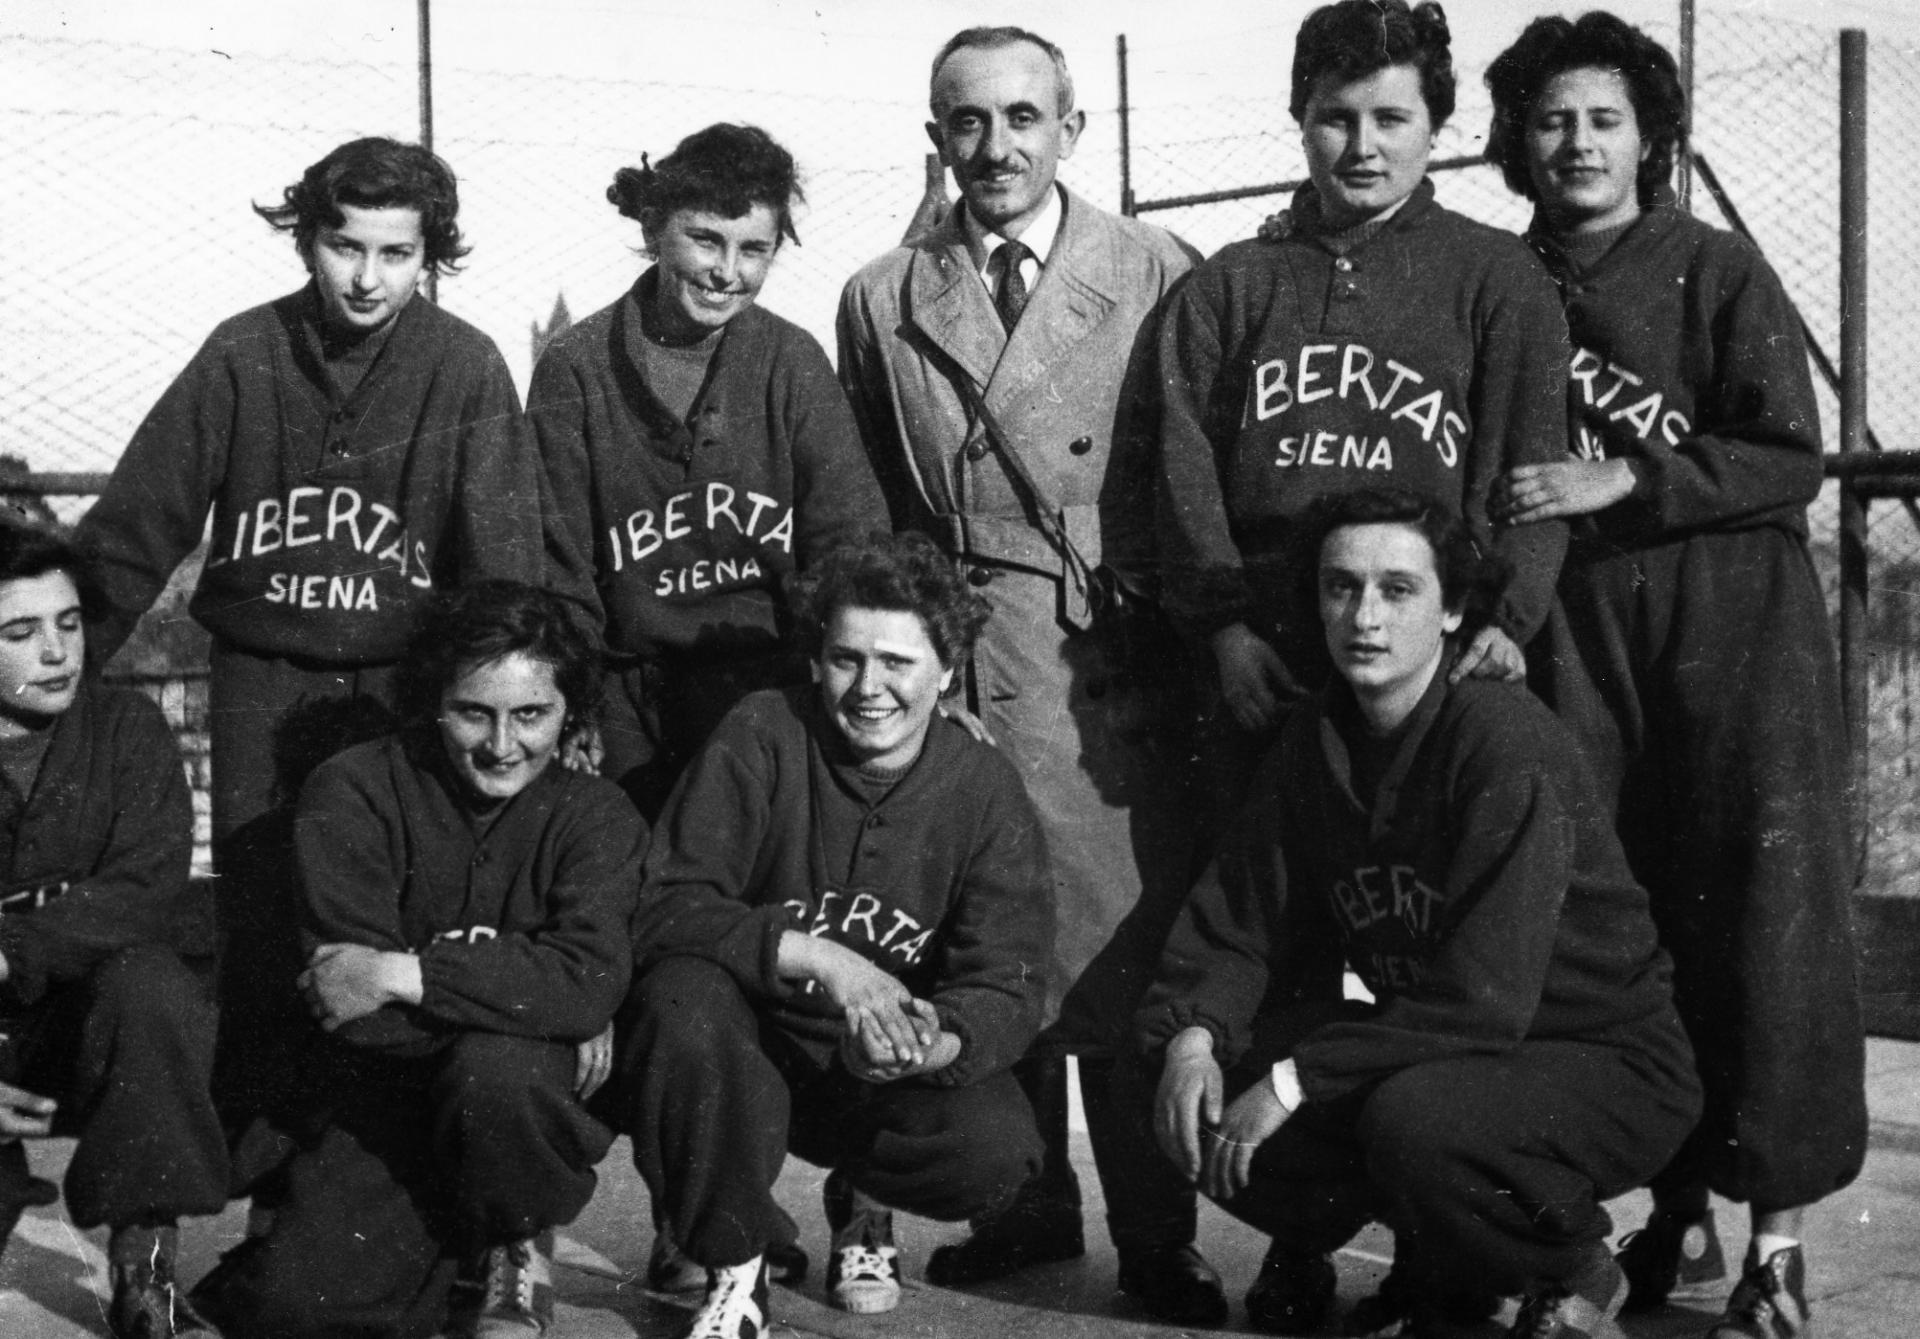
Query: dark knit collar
{"points": [[1623, 248], [1583, 251], [1305, 218]]}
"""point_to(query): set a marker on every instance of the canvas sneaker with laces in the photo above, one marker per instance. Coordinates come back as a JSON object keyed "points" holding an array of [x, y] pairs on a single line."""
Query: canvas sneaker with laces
{"points": [[736, 1305], [1770, 1301], [863, 1266], [517, 1299]]}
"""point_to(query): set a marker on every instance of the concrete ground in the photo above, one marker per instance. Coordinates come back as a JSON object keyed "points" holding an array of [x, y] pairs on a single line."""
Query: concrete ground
{"points": [[1864, 1258]]}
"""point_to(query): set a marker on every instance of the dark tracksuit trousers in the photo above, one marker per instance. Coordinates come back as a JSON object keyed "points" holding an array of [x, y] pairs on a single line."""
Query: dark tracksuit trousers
{"points": [[128, 1053], [1491, 1170], [271, 722], [714, 1099], [417, 1163], [1700, 678]]}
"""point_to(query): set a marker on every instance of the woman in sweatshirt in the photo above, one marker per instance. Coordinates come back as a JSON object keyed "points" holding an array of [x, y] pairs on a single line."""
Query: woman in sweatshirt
{"points": [[1367, 337], [1446, 840], [1689, 652], [699, 451], [465, 910]]}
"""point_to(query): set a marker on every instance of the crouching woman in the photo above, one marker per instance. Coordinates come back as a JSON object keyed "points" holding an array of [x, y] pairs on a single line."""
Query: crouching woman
{"points": [[108, 1036], [1521, 1060], [839, 949], [467, 904]]}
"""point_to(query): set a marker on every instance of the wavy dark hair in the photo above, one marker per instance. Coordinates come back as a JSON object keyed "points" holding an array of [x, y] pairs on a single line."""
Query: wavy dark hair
{"points": [[1355, 38], [1601, 41], [374, 173], [1471, 580], [31, 549], [904, 573], [478, 624], [725, 169]]}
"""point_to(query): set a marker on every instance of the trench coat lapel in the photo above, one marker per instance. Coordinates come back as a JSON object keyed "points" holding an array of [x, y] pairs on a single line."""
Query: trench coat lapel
{"points": [[949, 306], [1074, 295]]}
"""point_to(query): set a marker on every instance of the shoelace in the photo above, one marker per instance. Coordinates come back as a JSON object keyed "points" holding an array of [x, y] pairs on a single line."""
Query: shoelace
{"points": [[509, 1281], [866, 1262], [721, 1316]]}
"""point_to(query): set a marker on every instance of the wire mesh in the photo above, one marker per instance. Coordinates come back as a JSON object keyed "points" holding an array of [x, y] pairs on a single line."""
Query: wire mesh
{"points": [[1766, 119], [132, 169]]}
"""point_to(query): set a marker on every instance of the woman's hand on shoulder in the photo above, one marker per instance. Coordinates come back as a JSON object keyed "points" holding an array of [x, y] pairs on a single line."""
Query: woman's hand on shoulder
{"points": [[1254, 681], [1490, 655], [583, 750], [966, 720]]}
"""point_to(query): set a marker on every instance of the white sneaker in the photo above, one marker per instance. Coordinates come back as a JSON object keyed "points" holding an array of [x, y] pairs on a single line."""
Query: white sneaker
{"points": [[863, 1268], [519, 1291], [736, 1304]]}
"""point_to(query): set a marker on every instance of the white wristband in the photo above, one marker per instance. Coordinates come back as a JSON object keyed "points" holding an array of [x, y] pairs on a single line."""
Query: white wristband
{"points": [[1285, 1079]]}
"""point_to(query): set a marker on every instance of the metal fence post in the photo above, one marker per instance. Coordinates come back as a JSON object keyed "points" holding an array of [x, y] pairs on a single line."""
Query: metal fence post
{"points": [[1853, 403], [424, 9], [1126, 129], [1683, 183]]}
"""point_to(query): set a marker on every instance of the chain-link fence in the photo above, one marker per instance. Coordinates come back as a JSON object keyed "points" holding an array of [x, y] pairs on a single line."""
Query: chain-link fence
{"points": [[1766, 124], [131, 169]]}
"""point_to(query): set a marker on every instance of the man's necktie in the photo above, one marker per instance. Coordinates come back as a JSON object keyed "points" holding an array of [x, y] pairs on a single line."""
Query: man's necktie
{"points": [[1011, 300]]}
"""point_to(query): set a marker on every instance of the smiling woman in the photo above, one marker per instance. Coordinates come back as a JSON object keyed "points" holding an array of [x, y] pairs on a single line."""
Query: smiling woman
{"points": [[699, 450], [840, 948], [464, 904]]}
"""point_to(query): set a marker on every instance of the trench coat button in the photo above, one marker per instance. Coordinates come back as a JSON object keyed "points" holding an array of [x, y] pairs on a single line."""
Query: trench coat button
{"points": [[339, 416], [1344, 265], [337, 448], [979, 576], [977, 451], [1080, 445]]}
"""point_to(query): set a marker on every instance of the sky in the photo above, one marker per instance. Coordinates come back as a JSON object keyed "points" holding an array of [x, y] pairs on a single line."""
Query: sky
{"points": [[877, 46], [195, 108]]}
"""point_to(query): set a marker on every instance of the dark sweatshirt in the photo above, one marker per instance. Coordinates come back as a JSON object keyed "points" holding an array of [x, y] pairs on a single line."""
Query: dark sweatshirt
{"points": [[1431, 356], [943, 881], [97, 859], [334, 518], [520, 915], [678, 534], [1688, 364], [1483, 898]]}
